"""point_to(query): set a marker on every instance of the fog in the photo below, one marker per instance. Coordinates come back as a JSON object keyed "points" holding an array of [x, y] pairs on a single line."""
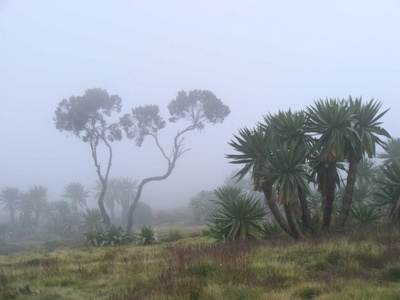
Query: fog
{"points": [[256, 56]]}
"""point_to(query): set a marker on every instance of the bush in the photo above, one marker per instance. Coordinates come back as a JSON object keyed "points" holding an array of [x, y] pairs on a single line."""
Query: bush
{"points": [[239, 216], [146, 236], [109, 236]]}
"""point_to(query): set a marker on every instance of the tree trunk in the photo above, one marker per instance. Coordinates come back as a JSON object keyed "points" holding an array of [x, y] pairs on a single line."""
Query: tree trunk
{"points": [[330, 195], [305, 211], [348, 195], [291, 218], [103, 211], [267, 189]]}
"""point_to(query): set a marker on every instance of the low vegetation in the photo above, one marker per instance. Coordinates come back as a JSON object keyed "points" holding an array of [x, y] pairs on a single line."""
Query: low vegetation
{"points": [[355, 265]]}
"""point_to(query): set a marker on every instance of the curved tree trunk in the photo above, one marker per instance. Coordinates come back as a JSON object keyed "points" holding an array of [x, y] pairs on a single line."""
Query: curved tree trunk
{"points": [[273, 206], [348, 195], [176, 153], [103, 211], [330, 195], [291, 218]]}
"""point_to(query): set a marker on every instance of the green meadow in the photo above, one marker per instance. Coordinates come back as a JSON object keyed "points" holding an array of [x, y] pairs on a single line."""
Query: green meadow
{"points": [[363, 264]]}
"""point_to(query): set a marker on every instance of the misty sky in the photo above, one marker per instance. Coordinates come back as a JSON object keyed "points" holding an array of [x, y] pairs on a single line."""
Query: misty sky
{"points": [[256, 56]]}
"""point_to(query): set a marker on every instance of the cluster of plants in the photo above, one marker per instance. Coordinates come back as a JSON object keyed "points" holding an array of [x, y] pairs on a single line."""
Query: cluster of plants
{"points": [[117, 236], [89, 118], [108, 236], [32, 213], [329, 146]]}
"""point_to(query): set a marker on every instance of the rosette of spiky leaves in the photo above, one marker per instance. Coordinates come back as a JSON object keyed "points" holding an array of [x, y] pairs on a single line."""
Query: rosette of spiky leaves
{"points": [[388, 192], [115, 236], [146, 236], [91, 219], [238, 217], [364, 213], [92, 237]]}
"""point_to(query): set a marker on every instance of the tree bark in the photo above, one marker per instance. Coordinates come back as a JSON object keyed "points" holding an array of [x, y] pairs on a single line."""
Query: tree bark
{"points": [[103, 211], [305, 211], [348, 195], [291, 218], [330, 195], [267, 190]]}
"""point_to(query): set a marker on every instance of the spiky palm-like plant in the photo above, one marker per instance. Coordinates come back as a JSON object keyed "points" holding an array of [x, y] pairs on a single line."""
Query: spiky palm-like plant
{"points": [[91, 219], [11, 199], [392, 150], [366, 135], [388, 192], [332, 119], [239, 216], [76, 193], [146, 236], [36, 199]]}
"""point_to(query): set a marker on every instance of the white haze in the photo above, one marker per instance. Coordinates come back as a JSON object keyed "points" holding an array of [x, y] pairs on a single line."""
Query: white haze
{"points": [[256, 56]]}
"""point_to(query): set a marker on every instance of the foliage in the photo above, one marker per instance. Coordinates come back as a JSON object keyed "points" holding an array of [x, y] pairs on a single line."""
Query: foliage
{"points": [[10, 198], [91, 219], [35, 201], [76, 193], [143, 121], [291, 149], [114, 236], [364, 213], [87, 118], [270, 229], [388, 192], [348, 266], [146, 236], [392, 150], [198, 107], [108, 236], [120, 193], [238, 217], [92, 237], [63, 219]]}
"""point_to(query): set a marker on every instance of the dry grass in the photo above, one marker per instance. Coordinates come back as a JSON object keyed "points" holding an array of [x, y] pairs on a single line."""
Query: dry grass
{"points": [[350, 266]]}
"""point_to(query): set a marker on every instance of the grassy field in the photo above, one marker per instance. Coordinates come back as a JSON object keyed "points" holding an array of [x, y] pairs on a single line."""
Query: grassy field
{"points": [[365, 265]]}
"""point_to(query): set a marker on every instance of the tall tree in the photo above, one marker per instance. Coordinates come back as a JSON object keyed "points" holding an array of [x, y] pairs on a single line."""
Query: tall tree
{"points": [[198, 107], [10, 197], [275, 155], [290, 129], [332, 119], [362, 144], [253, 146], [36, 200], [120, 192], [87, 118], [76, 193]]}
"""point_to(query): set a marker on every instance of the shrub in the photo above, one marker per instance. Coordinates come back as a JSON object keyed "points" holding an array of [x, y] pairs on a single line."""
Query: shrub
{"points": [[146, 236], [239, 216], [269, 229], [114, 236], [109, 236]]}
